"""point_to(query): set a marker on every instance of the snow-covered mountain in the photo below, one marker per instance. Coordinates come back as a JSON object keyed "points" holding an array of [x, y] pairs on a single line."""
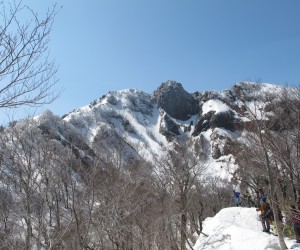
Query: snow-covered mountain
{"points": [[134, 170], [146, 124]]}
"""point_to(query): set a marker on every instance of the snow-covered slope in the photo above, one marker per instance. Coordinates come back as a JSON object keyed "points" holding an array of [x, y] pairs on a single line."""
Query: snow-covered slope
{"points": [[146, 124], [130, 113], [236, 228]]}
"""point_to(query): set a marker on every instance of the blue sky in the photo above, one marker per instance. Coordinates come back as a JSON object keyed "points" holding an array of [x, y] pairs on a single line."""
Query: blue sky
{"points": [[103, 45]]}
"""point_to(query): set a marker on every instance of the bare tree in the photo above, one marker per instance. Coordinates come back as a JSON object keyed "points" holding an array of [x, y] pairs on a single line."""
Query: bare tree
{"points": [[182, 168], [27, 73], [263, 127], [287, 144], [21, 167]]}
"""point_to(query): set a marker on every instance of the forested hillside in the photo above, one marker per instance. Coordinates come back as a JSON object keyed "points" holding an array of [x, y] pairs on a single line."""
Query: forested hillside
{"points": [[123, 173]]}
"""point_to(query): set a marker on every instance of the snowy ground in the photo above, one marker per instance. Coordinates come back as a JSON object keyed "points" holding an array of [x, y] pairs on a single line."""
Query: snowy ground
{"points": [[237, 228]]}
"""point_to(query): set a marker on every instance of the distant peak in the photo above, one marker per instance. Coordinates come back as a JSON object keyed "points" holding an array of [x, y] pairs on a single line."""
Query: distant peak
{"points": [[171, 84], [178, 103]]}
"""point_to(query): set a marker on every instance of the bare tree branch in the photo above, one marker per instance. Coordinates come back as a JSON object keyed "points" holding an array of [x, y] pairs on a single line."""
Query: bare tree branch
{"points": [[27, 73]]}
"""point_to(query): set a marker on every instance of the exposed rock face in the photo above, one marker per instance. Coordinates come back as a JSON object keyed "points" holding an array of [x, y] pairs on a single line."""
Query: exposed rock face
{"points": [[215, 120], [168, 128], [174, 100]]}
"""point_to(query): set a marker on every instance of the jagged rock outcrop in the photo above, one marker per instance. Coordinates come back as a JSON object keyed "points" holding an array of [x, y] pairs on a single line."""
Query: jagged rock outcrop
{"points": [[215, 120], [220, 143], [175, 101], [168, 127]]}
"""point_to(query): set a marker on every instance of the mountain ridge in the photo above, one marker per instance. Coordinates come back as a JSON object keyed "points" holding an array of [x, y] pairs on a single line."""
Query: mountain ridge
{"points": [[138, 121], [123, 108], [124, 165]]}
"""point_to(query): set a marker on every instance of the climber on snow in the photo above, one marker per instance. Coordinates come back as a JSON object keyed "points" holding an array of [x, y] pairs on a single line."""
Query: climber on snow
{"points": [[237, 198]]}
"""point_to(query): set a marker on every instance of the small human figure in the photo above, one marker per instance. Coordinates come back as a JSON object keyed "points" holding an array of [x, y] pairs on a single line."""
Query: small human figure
{"points": [[247, 195], [261, 195], [237, 198], [295, 216], [266, 215]]}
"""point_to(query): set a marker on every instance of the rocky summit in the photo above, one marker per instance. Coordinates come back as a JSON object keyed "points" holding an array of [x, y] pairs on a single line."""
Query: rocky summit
{"points": [[175, 101], [145, 124]]}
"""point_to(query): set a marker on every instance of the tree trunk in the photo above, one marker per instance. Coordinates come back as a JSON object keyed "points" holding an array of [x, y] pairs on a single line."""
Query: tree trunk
{"points": [[28, 233], [272, 196], [183, 222], [183, 230]]}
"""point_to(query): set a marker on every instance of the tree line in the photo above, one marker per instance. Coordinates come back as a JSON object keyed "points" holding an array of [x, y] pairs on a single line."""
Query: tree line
{"points": [[55, 196], [51, 199]]}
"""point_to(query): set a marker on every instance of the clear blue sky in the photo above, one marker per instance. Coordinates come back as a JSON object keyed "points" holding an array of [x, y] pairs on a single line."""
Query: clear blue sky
{"points": [[103, 45]]}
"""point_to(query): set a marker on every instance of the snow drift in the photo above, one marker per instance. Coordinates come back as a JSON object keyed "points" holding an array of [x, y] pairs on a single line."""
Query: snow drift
{"points": [[236, 228]]}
